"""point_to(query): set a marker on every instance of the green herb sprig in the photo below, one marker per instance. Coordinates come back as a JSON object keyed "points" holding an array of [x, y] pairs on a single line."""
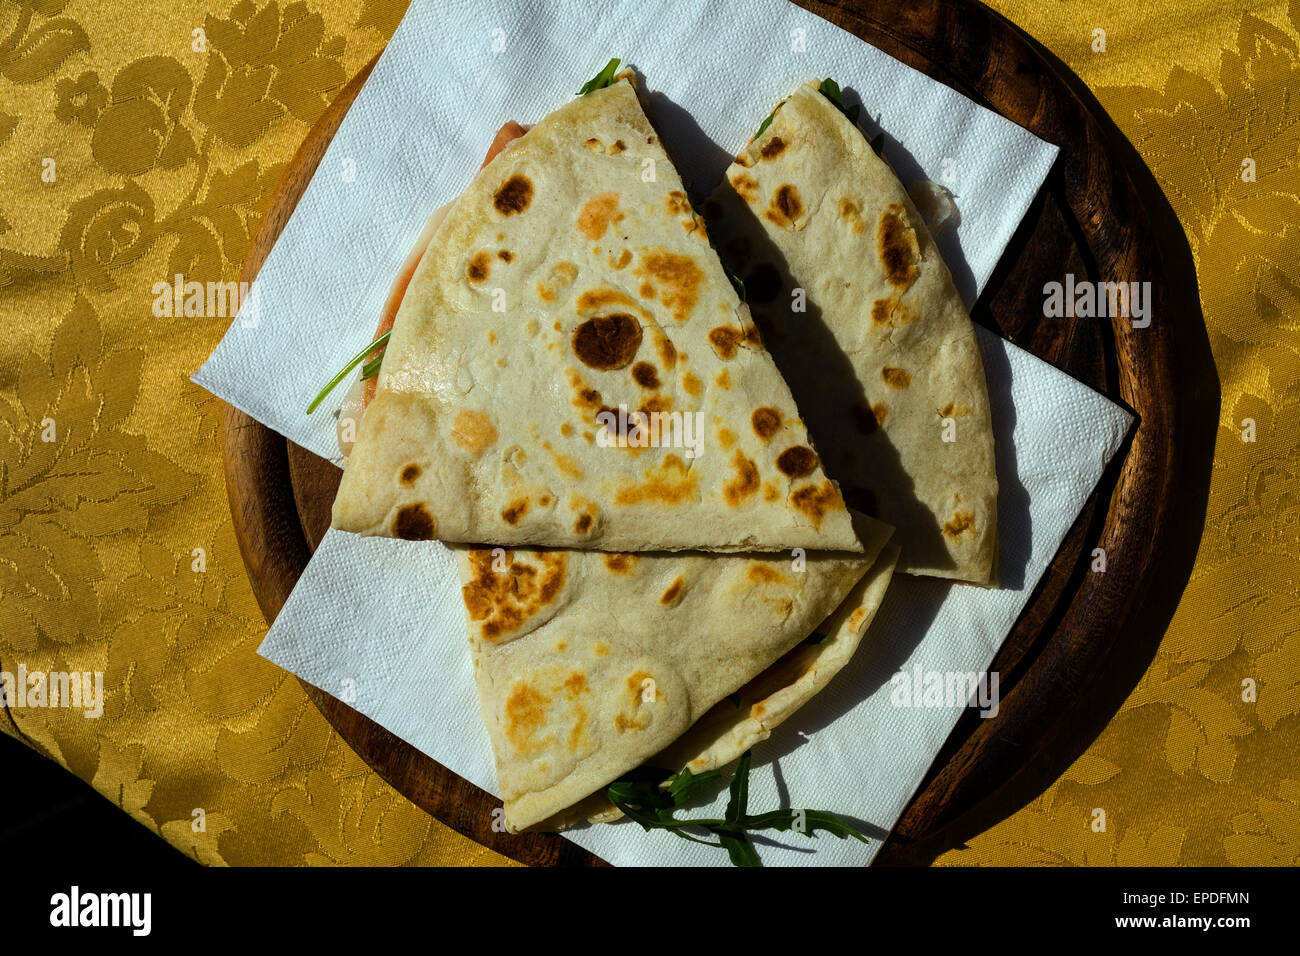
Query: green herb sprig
{"points": [[602, 79], [370, 369], [650, 796], [737, 285], [831, 90]]}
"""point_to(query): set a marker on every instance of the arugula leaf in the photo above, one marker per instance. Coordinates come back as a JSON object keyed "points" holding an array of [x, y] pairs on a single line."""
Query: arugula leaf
{"points": [[601, 80], [648, 796], [737, 285], [813, 820], [831, 90], [684, 786], [352, 363], [642, 788], [768, 122], [739, 850], [739, 801], [818, 638]]}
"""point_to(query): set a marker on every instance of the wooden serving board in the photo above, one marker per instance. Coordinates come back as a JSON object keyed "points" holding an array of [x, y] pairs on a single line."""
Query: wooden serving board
{"points": [[1099, 215]]}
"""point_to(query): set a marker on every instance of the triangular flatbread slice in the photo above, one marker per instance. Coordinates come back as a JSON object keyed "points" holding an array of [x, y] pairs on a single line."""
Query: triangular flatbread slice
{"points": [[748, 717], [861, 314], [570, 281], [588, 663]]}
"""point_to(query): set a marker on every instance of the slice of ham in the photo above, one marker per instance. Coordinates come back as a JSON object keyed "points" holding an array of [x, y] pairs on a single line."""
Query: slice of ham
{"points": [[362, 391]]}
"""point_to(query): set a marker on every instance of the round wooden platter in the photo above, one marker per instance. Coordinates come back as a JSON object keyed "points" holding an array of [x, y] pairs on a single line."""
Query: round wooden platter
{"points": [[1084, 637]]}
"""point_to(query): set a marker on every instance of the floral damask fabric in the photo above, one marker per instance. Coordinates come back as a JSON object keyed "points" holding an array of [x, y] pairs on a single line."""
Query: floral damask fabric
{"points": [[135, 145]]}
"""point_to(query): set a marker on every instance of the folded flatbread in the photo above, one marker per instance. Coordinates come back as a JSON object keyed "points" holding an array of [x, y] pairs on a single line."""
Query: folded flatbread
{"points": [[746, 718], [861, 314], [572, 282], [588, 663]]}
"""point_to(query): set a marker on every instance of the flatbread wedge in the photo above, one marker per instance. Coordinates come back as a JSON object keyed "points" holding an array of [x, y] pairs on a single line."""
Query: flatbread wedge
{"points": [[569, 283], [861, 314], [747, 718], [588, 663]]}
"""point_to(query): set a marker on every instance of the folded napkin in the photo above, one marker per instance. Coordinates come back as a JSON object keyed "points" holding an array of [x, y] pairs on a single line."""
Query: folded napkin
{"points": [[380, 623]]}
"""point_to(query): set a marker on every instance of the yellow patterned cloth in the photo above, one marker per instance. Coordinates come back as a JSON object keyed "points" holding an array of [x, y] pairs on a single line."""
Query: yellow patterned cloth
{"points": [[140, 140]]}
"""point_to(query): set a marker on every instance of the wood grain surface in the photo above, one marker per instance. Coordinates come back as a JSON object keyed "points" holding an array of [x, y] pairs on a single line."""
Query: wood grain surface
{"points": [[1098, 216]]}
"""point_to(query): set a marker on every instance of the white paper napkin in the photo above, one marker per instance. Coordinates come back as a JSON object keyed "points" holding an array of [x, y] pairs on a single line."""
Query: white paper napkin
{"points": [[380, 624]]}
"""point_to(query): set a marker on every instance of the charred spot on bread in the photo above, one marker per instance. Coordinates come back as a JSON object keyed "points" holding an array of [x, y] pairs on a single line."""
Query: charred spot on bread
{"points": [[892, 312], [514, 195], [895, 377], [515, 511], [796, 461], [479, 267], [763, 573], [607, 341], [766, 421], [667, 352], [785, 207], [414, 522], [816, 501], [676, 277], [409, 474], [673, 592], [897, 246], [960, 523], [851, 214], [501, 601], [621, 563], [645, 375], [724, 340], [746, 481]]}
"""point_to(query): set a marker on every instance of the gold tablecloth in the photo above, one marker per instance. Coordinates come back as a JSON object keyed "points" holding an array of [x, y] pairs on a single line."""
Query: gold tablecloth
{"points": [[133, 147]]}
